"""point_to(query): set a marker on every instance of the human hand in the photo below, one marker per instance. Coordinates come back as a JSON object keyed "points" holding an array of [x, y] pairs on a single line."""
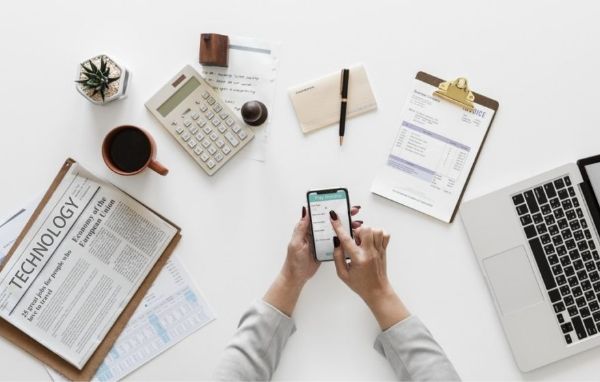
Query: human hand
{"points": [[300, 264], [366, 273]]}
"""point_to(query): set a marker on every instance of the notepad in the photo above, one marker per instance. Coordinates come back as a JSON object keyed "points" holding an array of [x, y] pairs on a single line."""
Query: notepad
{"points": [[317, 102]]}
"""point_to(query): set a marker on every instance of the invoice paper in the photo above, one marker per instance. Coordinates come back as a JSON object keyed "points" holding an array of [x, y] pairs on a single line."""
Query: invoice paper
{"points": [[79, 264], [433, 153], [172, 310], [251, 75]]}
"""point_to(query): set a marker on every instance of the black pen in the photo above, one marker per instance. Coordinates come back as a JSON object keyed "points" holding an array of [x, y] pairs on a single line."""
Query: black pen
{"points": [[344, 95]]}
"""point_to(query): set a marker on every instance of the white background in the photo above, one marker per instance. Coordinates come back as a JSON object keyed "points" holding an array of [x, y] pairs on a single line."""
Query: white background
{"points": [[538, 58]]}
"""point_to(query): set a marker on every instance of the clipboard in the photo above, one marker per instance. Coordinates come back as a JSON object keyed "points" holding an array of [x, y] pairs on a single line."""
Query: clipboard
{"points": [[30, 345], [399, 188]]}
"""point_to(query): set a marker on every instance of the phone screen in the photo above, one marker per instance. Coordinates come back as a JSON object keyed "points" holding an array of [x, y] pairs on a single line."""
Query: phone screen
{"points": [[319, 205]]}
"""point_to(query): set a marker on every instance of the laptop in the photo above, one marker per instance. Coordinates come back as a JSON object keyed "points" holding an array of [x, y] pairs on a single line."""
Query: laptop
{"points": [[537, 244]]}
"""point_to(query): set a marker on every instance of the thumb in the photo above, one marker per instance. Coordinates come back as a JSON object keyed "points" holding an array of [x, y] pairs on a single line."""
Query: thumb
{"points": [[340, 261]]}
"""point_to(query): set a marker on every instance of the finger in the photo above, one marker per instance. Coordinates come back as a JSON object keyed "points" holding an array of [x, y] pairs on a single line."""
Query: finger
{"points": [[346, 241], [340, 261], [301, 228], [357, 223], [386, 239], [357, 235], [354, 210], [378, 240], [365, 235]]}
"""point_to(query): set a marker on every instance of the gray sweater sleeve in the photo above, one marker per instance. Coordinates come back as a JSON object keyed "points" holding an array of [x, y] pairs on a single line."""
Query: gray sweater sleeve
{"points": [[413, 353], [255, 349]]}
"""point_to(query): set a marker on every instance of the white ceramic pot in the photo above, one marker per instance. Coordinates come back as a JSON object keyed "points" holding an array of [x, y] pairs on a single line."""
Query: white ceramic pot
{"points": [[117, 90]]}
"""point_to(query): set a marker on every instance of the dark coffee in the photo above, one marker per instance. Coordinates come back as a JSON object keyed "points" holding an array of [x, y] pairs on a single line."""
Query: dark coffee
{"points": [[129, 149]]}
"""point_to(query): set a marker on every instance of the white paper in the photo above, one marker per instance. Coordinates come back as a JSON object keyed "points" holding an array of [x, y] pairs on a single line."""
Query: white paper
{"points": [[433, 153], [11, 226], [172, 310], [251, 75], [79, 264]]}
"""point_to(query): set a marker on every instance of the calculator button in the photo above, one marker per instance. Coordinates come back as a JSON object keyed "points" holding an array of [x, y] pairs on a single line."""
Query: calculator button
{"points": [[232, 139], [236, 128], [205, 94], [210, 114], [204, 157], [199, 137], [219, 143], [222, 129], [205, 143], [229, 121], [213, 136], [192, 143], [211, 163], [224, 115], [217, 108], [211, 101], [195, 116], [187, 123], [219, 157], [203, 108], [207, 130], [226, 149], [201, 123], [197, 102], [179, 130], [198, 150], [212, 150], [186, 136], [216, 121], [242, 134], [194, 129]]}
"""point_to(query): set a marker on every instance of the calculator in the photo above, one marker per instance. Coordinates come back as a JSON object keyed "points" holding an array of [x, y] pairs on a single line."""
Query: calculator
{"points": [[199, 120]]}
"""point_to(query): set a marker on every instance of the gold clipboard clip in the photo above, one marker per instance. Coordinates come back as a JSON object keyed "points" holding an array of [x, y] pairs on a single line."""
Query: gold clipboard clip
{"points": [[457, 92]]}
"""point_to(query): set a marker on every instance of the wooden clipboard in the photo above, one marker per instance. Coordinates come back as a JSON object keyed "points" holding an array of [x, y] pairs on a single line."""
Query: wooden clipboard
{"points": [[30, 345], [476, 98]]}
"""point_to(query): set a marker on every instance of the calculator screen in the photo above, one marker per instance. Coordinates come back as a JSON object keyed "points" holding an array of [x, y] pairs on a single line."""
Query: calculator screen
{"points": [[177, 97]]}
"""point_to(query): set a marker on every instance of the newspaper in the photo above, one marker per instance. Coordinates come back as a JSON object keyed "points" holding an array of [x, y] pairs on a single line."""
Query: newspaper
{"points": [[251, 75], [79, 264], [173, 309]]}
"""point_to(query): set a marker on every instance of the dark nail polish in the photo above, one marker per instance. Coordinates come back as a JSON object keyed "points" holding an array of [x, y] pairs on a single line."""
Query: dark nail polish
{"points": [[303, 211], [336, 242], [357, 207], [333, 214], [359, 221]]}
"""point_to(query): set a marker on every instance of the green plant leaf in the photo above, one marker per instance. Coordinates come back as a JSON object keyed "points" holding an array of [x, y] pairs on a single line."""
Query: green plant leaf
{"points": [[87, 70], [93, 66], [102, 64], [102, 93], [111, 80]]}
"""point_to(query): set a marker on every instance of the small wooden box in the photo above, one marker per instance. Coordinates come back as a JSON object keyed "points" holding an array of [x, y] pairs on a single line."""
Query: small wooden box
{"points": [[214, 49]]}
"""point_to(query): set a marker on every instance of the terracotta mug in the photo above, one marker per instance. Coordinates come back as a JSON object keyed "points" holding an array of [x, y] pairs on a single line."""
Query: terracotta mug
{"points": [[129, 150]]}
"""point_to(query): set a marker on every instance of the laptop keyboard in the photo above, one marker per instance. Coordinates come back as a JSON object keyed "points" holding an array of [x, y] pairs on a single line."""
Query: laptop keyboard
{"points": [[566, 255]]}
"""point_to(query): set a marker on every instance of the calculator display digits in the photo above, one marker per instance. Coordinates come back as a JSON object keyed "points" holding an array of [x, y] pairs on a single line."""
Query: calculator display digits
{"points": [[195, 115]]}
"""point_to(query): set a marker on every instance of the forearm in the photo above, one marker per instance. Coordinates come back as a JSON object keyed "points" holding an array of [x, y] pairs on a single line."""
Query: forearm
{"points": [[284, 292], [387, 307]]}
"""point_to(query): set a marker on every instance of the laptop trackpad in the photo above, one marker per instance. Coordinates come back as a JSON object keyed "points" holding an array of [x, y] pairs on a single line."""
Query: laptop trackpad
{"points": [[512, 279]]}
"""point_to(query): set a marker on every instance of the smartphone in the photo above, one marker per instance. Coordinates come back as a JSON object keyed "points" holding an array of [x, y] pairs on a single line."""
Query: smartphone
{"points": [[320, 202]]}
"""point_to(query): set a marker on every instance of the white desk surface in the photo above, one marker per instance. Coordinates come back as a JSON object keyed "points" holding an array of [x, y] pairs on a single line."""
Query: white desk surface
{"points": [[538, 58]]}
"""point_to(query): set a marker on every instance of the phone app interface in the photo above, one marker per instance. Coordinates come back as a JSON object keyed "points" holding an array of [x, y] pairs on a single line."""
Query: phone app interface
{"points": [[320, 205]]}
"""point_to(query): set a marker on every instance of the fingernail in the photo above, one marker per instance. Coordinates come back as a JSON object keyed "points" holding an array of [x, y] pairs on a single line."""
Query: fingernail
{"points": [[303, 211], [333, 214], [359, 221], [357, 207], [336, 242]]}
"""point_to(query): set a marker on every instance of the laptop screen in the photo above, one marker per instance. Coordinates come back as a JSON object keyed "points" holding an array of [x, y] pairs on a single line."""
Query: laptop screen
{"points": [[593, 173]]}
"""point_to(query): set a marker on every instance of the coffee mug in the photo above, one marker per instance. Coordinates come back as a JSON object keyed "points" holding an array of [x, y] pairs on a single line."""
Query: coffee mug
{"points": [[128, 150]]}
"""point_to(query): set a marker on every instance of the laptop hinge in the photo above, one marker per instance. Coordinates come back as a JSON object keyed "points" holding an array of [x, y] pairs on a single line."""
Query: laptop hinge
{"points": [[592, 204]]}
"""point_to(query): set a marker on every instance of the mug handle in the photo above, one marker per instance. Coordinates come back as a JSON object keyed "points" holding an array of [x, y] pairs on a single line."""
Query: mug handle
{"points": [[159, 168]]}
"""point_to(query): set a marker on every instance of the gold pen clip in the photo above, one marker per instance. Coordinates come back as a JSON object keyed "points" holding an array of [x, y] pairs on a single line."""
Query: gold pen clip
{"points": [[457, 92]]}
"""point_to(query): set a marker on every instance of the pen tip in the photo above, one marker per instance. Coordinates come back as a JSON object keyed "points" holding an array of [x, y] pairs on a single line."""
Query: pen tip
{"points": [[341, 140]]}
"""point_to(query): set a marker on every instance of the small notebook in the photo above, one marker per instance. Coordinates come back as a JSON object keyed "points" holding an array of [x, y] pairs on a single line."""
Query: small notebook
{"points": [[317, 102]]}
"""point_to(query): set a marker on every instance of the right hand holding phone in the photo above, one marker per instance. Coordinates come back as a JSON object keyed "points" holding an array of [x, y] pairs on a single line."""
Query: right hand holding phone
{"points": [[366, 273]]}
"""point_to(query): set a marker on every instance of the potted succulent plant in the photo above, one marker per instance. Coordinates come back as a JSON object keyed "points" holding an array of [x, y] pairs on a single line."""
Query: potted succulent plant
{"points": [[101, 80]]}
